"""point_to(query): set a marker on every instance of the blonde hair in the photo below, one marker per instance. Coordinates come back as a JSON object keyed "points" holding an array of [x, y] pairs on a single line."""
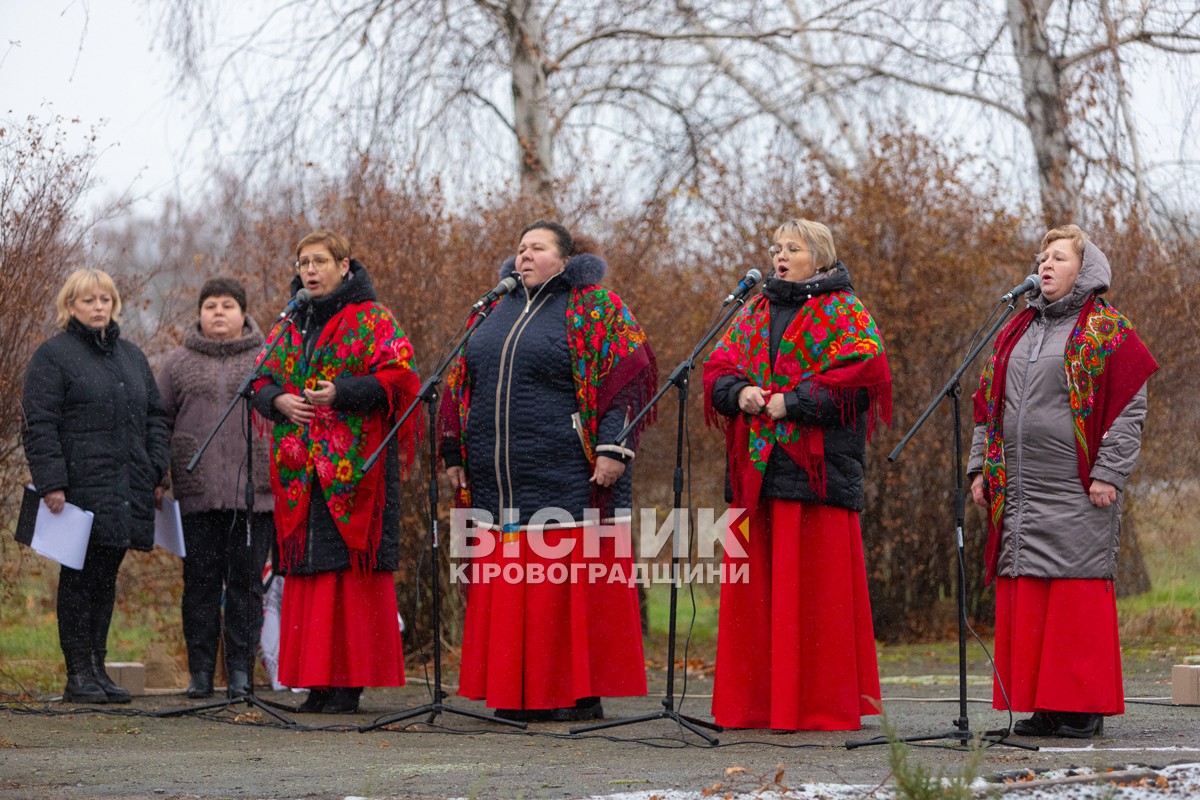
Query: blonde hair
{"points": [[79, 282], [335, 243], [818, 237], [1072, 232]]}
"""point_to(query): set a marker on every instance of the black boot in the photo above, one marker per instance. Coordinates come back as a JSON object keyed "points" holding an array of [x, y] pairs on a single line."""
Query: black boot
{"points": [[1080, 725], [1042, 723], [315, 702], [342, 700], [115, 694], [238, 684], [81, 680], [200, 686]]}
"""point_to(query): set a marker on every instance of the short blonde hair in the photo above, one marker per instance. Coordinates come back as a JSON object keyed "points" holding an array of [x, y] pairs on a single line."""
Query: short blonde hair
{"points": [[818, 237], [1072, 232], [335, 243], [79, 282]]}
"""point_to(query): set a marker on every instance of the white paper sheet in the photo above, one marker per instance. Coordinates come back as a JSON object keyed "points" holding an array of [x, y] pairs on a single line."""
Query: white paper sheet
{"points": [[168, 527], [64, 536]]}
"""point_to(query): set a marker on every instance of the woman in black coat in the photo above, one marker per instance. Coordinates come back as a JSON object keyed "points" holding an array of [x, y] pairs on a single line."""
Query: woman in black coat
{"points": [[95, 435]]}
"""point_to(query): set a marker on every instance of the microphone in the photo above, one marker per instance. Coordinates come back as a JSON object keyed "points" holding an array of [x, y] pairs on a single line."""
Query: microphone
{"points": [[744, 286], [1031, 284], [502, 288], [296, 303]]}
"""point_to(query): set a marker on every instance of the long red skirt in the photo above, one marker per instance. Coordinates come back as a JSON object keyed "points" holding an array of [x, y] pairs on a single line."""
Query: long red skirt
{"points": [[795, 644], [543, 630], [340, 629], [1057, 646]]}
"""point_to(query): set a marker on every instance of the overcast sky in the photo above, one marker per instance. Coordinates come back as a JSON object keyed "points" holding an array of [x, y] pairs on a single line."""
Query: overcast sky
{"points": [[97, 61], [93, 61]]}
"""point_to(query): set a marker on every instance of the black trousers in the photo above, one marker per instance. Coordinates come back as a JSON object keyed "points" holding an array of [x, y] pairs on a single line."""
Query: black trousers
{"points": [[218, 561], [85, 599]]}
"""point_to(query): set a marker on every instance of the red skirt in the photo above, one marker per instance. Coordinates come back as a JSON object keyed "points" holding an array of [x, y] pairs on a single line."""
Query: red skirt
{"points": [[340, 629], [543, 630], [795, 643], [1057, 646]]}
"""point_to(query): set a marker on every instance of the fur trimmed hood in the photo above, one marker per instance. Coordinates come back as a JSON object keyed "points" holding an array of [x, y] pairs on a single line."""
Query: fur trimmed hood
{"points": [[584, 269]]}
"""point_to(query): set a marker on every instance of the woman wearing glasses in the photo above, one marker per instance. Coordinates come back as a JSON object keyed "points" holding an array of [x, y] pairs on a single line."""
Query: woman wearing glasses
{"points": [[333, 386], [798, 383], [531, 416]]}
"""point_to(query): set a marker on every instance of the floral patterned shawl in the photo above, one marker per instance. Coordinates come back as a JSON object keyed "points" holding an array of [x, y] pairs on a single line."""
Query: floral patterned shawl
{"points": [[609, 353], [833, 342], [1106, 364], [361, 339]]}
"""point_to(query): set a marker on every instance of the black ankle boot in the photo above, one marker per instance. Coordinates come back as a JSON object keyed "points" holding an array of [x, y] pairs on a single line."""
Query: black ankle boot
{"points": [[200, 686], [238, 684], [315, 702], [1042, 723], [115, 693], [81, 679], [1080, 725], [342, 700]]}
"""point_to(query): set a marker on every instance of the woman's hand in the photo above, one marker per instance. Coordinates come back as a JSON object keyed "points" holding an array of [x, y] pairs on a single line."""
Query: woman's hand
{"points": [[457, 476], [323, 395], [55, 500], [1102, 494], [753, 399], [158, 496], [977, 492], [294, 408], [607, 471], [777, 406]]}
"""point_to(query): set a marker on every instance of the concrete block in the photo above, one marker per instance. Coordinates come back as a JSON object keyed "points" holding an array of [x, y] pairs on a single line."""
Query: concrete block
{"points": [[129, 675], [1185, 685]]}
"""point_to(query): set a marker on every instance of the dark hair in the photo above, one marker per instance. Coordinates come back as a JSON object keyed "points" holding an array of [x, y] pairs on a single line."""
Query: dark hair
{"points": [[566, 245], [223, 287]]}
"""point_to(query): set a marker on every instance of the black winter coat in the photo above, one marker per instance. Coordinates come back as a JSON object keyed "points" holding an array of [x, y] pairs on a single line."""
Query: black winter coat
{"points": [[324, 548], [519, 364], [94, 427], [845, 447]]}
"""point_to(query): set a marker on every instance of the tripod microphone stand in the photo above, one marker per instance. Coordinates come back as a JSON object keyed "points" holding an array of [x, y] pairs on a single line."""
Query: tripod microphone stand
{"points": [[243, 394], [961, 732], [429, 395], [679, 379]]}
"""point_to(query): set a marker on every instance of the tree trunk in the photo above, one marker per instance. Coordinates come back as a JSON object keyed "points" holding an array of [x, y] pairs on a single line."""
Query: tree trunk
{"points": [[1132, 577], [531, 105], [1045, 110]]}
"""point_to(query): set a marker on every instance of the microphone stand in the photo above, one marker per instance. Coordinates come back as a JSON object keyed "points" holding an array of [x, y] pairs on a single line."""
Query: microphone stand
{"points": [[242, 393], [961, 733], [429, 395], [679, 379]]}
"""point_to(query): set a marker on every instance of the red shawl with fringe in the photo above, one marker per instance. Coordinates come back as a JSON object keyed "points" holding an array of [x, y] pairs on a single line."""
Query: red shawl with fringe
{"points": [[361, 339], [832, 342], [1106, 364]]}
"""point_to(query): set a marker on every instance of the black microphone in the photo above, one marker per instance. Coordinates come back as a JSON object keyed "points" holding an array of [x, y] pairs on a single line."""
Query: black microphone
{"points": [[744, 286], [502, 288], [1031, 284], [296, 303]]}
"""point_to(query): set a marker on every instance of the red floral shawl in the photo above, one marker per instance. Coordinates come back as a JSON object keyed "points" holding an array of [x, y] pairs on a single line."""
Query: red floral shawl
{"points": [[361, 339], [1106, 364], [609, 353], [833, 342]]}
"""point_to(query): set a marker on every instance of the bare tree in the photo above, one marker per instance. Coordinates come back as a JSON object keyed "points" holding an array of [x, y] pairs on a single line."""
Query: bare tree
{"points": [[1054, 72]]}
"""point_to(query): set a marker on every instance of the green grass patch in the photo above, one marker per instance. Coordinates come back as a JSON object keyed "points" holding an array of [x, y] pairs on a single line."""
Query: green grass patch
{"points": [[705, 605]]}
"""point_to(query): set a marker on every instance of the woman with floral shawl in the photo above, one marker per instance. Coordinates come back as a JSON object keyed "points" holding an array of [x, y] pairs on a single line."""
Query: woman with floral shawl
{"points": [[798, 383], [530, 423], [1058, 416], [333, 386]]}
